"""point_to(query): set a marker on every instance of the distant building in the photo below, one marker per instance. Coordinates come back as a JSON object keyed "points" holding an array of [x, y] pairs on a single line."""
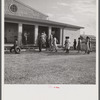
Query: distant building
{"points": [[20, 18]]}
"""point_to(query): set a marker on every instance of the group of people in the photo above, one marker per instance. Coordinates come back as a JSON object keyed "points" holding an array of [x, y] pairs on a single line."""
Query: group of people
{"points": [[51, 43], [48, 43], [78, 45]]}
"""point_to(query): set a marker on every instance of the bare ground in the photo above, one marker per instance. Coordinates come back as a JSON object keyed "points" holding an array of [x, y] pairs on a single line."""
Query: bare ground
{"points": [[33, 67]]}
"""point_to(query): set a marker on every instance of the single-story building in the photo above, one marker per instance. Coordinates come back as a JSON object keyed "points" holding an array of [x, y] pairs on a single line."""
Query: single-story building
{"points": [[20, 18]]}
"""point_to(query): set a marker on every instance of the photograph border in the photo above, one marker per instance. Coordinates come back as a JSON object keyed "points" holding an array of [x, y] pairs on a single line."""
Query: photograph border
{"points": [[97, 58]]}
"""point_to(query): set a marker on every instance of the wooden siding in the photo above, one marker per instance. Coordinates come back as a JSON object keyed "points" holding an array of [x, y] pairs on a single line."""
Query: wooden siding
{"points": [[23, 10]]}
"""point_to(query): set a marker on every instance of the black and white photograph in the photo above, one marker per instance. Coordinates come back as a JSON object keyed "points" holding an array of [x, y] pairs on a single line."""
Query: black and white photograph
{"points": [[49, 49], [50, 42]]}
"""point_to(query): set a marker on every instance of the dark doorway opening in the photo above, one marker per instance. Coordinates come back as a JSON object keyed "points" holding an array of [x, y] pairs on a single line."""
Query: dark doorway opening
{"points": [[11, 31], [29, 30], [57, 33]]}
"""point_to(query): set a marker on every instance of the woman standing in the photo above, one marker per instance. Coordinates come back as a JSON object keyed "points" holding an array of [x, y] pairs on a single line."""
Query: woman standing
{"points": [[67, 44], [74, 44], [55, 44], [87, 45]]}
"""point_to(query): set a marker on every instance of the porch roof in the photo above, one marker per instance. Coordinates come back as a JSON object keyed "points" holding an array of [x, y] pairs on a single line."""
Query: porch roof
{"points": [[48, 22]]}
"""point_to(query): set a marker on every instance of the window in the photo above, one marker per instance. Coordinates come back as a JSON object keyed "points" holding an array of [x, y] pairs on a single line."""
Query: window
{"points": [[13, 8]]}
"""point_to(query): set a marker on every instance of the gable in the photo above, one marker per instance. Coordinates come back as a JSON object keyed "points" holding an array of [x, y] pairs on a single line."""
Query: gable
{"points": [[14, 7]]}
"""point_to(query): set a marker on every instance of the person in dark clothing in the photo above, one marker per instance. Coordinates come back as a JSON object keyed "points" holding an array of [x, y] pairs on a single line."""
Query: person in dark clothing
{"points": [[40, 43], [79, 44], [15, 43], [75, 44]]}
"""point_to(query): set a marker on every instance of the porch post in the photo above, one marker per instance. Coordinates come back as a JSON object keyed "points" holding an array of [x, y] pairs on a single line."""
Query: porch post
{"points": [[61, 36], [49, 31], [36, 34], [20, 34]]}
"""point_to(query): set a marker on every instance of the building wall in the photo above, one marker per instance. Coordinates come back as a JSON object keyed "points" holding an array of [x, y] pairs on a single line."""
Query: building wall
{"points": [[23, 10], [72, 33]]}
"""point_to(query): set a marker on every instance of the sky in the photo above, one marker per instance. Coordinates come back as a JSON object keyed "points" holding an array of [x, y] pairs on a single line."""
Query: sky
{"points": [[75, 12]]}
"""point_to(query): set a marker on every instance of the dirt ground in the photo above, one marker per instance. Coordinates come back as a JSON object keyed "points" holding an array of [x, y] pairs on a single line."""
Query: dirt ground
{"points": [[33, 67]]}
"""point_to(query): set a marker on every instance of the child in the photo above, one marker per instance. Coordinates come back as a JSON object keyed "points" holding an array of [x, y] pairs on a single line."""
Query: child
{"points": [[15, 47]]}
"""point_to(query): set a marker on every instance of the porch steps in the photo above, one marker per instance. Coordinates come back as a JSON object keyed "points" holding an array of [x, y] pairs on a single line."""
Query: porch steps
{"points": [[8, 46]]}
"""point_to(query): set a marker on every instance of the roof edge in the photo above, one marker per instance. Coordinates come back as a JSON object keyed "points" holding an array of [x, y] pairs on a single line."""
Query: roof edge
{"points": [[64, 25]]}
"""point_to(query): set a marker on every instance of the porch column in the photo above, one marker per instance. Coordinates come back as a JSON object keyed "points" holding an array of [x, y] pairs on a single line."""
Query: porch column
{"points": [[61, 36], [50, 29], [20, 34], [36, 34]]}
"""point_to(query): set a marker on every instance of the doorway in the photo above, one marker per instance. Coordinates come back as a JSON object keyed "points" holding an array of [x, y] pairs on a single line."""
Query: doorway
{"points": [[30, 31], [11, 31], [57, 33]]}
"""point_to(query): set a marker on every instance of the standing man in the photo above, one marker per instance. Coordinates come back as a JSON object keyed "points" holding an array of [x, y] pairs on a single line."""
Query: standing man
{"points": [[75, 44], [79, 45], [25, 37], [26, 34], [40, 42]]}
